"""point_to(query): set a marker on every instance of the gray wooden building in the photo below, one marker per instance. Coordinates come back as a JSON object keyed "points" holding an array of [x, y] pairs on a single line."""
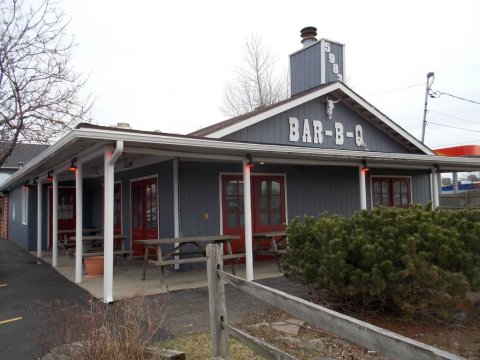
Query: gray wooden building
{"points": [[324, 149]]}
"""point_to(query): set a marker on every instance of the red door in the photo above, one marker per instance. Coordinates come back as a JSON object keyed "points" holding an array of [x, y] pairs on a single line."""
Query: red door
{"points": [[65, 210], [144, 213], [232, 210], [268, 206]]}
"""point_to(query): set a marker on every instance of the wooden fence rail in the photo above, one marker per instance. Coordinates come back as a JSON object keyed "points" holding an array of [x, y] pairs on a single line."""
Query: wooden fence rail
{"points": [[362, 333]]}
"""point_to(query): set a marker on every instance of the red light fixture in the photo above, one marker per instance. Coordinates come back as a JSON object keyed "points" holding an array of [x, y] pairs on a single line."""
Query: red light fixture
{"points": [[365, 167], [250, 163], [50, 175], [73, 165]]}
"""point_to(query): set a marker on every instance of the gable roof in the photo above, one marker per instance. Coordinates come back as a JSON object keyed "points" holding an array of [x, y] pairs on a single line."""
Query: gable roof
{"points": [[22, 153], [340, 91]]}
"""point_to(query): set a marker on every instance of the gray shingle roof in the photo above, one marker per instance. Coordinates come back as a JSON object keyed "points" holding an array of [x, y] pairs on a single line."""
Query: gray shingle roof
{"points": [[23, 153]]}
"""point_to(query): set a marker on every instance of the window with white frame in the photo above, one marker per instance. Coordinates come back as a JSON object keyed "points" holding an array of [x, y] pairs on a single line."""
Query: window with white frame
{"points": [[25, 205]]}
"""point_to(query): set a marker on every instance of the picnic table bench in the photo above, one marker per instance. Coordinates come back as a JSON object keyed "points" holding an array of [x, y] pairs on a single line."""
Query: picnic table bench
{"points": [[172, 257], [277, 245], [93, 245]]}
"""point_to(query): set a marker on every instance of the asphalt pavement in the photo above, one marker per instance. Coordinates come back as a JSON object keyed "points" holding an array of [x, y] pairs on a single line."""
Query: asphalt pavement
{"points": [[28, 288]]}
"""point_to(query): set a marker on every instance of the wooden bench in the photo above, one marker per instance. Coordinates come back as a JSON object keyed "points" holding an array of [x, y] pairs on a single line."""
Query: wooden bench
{"points": [[275, 240]]}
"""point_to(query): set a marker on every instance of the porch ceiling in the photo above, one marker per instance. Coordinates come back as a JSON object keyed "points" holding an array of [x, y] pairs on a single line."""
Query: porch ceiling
{"points": [[143, 148]]}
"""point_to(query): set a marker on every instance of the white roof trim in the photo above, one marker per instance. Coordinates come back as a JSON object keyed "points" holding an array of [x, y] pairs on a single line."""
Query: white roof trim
{"points": [[303, 99], [222, 148], [272, 112]]}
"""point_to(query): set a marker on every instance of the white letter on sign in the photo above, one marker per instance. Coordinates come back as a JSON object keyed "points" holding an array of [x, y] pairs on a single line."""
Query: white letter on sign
{"points": [[306, 132], [339, 133], [359, 135], [294, 134], [317, 132]]}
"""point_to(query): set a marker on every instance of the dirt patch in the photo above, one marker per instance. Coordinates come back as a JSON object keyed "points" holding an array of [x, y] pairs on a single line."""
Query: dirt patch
{"points": [[460, 336]]}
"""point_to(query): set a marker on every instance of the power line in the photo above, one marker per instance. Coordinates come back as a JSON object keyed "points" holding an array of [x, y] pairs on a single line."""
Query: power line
{"points": [[393, 90], [455, 117], [453, 127], [437, 94]]}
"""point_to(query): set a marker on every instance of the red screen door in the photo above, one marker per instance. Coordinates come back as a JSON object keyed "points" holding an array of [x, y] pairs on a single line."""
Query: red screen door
{"points": [[144, 213], [268, 206], [65, 210]]}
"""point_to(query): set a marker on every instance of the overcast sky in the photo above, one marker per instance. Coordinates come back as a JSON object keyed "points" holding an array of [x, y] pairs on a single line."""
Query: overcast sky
{"points": [[163, 65]]}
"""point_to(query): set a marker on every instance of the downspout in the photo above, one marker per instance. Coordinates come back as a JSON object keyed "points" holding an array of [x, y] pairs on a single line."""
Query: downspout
{"points": [[110, 159]]}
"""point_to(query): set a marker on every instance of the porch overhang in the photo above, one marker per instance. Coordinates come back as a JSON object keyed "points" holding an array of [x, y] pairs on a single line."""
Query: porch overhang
{"points": [[89, 143]]}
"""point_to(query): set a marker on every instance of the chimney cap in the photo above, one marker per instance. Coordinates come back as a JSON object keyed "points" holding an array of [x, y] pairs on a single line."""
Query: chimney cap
{"points": [[308, 32], [308, 35]]}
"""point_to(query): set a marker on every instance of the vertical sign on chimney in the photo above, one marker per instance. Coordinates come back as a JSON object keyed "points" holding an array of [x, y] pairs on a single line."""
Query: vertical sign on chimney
{"points": [[332, 58]]}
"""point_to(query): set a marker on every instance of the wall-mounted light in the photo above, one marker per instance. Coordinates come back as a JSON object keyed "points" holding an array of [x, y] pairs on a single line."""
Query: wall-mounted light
{"points": [[26, 185], [73, 165], [437, 168], [35, 180], [50, 175], [250, 161], [365, 167]]}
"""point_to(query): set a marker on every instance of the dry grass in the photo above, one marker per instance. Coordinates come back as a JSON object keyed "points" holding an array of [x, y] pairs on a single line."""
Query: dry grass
{"points": [[199, 346], [121, 330]]}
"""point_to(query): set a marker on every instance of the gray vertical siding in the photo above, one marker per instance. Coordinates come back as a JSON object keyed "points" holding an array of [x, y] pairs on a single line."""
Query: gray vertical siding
{"points": [[276, 129], [305, 69], [16, 230], [314, 190]]}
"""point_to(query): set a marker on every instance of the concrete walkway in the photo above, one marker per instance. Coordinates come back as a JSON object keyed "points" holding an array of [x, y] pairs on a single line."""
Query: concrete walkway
{"points": [[127, 279]]}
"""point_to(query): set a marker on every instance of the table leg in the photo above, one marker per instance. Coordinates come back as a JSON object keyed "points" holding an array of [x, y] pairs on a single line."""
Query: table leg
{"points": [[275, 251], [145, 262], [229, 252]]}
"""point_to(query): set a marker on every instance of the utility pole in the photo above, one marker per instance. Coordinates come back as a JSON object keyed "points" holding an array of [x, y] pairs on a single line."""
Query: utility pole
{"points": [[430, 75]]}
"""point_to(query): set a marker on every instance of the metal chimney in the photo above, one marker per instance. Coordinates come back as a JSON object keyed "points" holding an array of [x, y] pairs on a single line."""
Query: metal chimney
{"points": [[308, 35]]}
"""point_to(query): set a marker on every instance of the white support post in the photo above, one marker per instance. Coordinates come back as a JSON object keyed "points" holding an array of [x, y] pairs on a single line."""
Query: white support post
{"points": [[55, 221], [39, 218], [79, 224], [435, 199], [109, 164], [247, 205], [363, 187], [108, 230], [176, 220], [455, 183]]}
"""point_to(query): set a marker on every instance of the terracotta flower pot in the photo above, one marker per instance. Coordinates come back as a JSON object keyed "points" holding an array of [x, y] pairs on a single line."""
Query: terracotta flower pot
{"points": [[93, 266]]}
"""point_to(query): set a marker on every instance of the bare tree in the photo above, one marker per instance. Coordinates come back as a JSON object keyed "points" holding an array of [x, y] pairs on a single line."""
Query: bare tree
{"points": [[39, 92], [256, 84]]}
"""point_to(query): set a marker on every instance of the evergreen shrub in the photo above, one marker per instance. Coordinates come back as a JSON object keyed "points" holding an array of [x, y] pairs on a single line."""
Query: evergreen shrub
{"points": [[412, 260]]}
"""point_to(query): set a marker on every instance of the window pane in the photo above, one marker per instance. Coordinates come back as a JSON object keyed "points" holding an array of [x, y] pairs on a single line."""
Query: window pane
{"points": [[376, 187], [231, 188], [263, 202], [264, 218], [385, 187], [232, 220], [263, 187], [396, 186], [232, 204], [377, 200], [386, 199], [276, 218], [275, 187], [275, 202]]}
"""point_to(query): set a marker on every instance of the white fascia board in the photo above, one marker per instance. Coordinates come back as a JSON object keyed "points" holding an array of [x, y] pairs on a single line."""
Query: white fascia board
{"points": [[272, 112], [387, 121], [286, 151], [276, 151], [32, 164]]}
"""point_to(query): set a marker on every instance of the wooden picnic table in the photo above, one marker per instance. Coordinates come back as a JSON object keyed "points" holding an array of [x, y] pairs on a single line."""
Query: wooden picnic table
{"points": [[64, 241], [277, 239], [198, 241], [93, 244]]}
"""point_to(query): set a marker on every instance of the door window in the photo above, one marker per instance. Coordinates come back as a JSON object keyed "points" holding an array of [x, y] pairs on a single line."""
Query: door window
{"points": [[391, 192]]}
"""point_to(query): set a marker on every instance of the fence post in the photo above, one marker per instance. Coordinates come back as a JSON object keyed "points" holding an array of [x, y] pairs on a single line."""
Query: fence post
{"points": [[216, 295]]}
